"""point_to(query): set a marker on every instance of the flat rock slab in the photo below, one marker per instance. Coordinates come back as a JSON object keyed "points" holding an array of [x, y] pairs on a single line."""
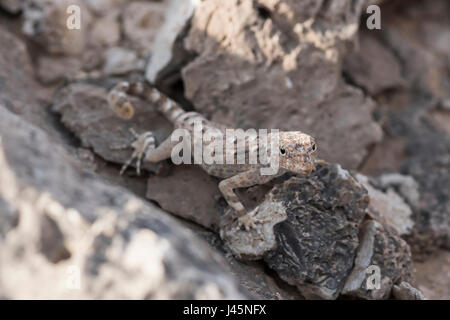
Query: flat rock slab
{"points": [[85, 112]]}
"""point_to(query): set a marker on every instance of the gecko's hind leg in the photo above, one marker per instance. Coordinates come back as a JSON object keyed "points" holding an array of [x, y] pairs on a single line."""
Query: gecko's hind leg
{"points": [[143, 144]]}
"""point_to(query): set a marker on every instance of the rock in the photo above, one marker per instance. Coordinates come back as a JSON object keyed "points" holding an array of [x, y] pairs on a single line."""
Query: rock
{"points": [[19, 92], [201, 200], [121, 61], [414, 119], [373, 66], [168, 53], [106, 31], [404, 291], [85, 111], [54, 69], [254, 276], [45, 22], [432, 276], [380, 253], [79, 237], [277, 64], [104, 7], [422, 45], [314, 220], [141, 23], [388, 208], [12, 6]]}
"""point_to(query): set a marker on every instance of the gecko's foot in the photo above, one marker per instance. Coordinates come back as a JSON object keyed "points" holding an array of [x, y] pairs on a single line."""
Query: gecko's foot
{"points": [[247, 221], [143, 143]]}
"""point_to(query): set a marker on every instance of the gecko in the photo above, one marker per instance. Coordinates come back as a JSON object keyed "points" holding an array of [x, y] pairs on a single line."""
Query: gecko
{"points": [[296, 150]]}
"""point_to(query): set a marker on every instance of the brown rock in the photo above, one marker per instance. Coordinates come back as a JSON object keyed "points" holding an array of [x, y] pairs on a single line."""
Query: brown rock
{"points": [[404, 291], [373, 66], [86, 113], [141, 23], [45, 22], [19, 92], [106, 31], [188, 192], [263, 68]]}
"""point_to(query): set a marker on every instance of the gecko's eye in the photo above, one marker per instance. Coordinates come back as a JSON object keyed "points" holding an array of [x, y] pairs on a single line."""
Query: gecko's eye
{"points": [[314, 147], [282, 151]]}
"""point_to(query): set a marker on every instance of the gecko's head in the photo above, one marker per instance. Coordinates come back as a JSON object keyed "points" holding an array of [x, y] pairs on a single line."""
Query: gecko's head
{"points": [[297, 151]]}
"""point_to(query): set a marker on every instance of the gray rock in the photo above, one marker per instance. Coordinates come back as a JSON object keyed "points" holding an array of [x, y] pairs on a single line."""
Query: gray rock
{"points": [[45, 21], [313, 240], [404, 291], [121, 61], [196, 193], [418, 140], [373, 66], [168, 54], [12, 6], [79, 237], [380, 253], [142, 21], [19, 92], [85, 112], [389, 208]]}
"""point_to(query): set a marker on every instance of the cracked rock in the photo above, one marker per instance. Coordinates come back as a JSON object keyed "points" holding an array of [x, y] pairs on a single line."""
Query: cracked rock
{"points": [[313, 240], [388, 207], [277, 64], [381, 253]]}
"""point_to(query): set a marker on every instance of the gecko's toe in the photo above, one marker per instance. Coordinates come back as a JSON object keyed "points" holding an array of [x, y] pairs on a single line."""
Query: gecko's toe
{"points": [[246, 222]]}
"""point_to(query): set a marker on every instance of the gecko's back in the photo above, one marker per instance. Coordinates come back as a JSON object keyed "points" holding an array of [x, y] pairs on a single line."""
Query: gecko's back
{"points": [[201, 132]]}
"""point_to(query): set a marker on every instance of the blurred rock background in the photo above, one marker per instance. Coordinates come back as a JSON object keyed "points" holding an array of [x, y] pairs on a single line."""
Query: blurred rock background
{"points": [[377, 101]]}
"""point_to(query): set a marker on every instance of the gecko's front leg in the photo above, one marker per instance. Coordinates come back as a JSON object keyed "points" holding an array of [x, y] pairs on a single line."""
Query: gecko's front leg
{"points": [[244, 179]]}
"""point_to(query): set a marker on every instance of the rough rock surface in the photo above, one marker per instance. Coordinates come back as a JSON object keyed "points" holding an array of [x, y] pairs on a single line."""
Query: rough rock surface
{"points": [[386, 251], [168, 52], [268, 64], [86, 113], [414, 117], [141, 22], [319, 232], [19, 92], [404, 291], [259, 63], [76, 236], [45, 21], [388, 207]]}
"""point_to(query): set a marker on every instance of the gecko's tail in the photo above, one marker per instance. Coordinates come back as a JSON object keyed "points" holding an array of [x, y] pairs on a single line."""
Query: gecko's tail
{"points": [[119, 102]]}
